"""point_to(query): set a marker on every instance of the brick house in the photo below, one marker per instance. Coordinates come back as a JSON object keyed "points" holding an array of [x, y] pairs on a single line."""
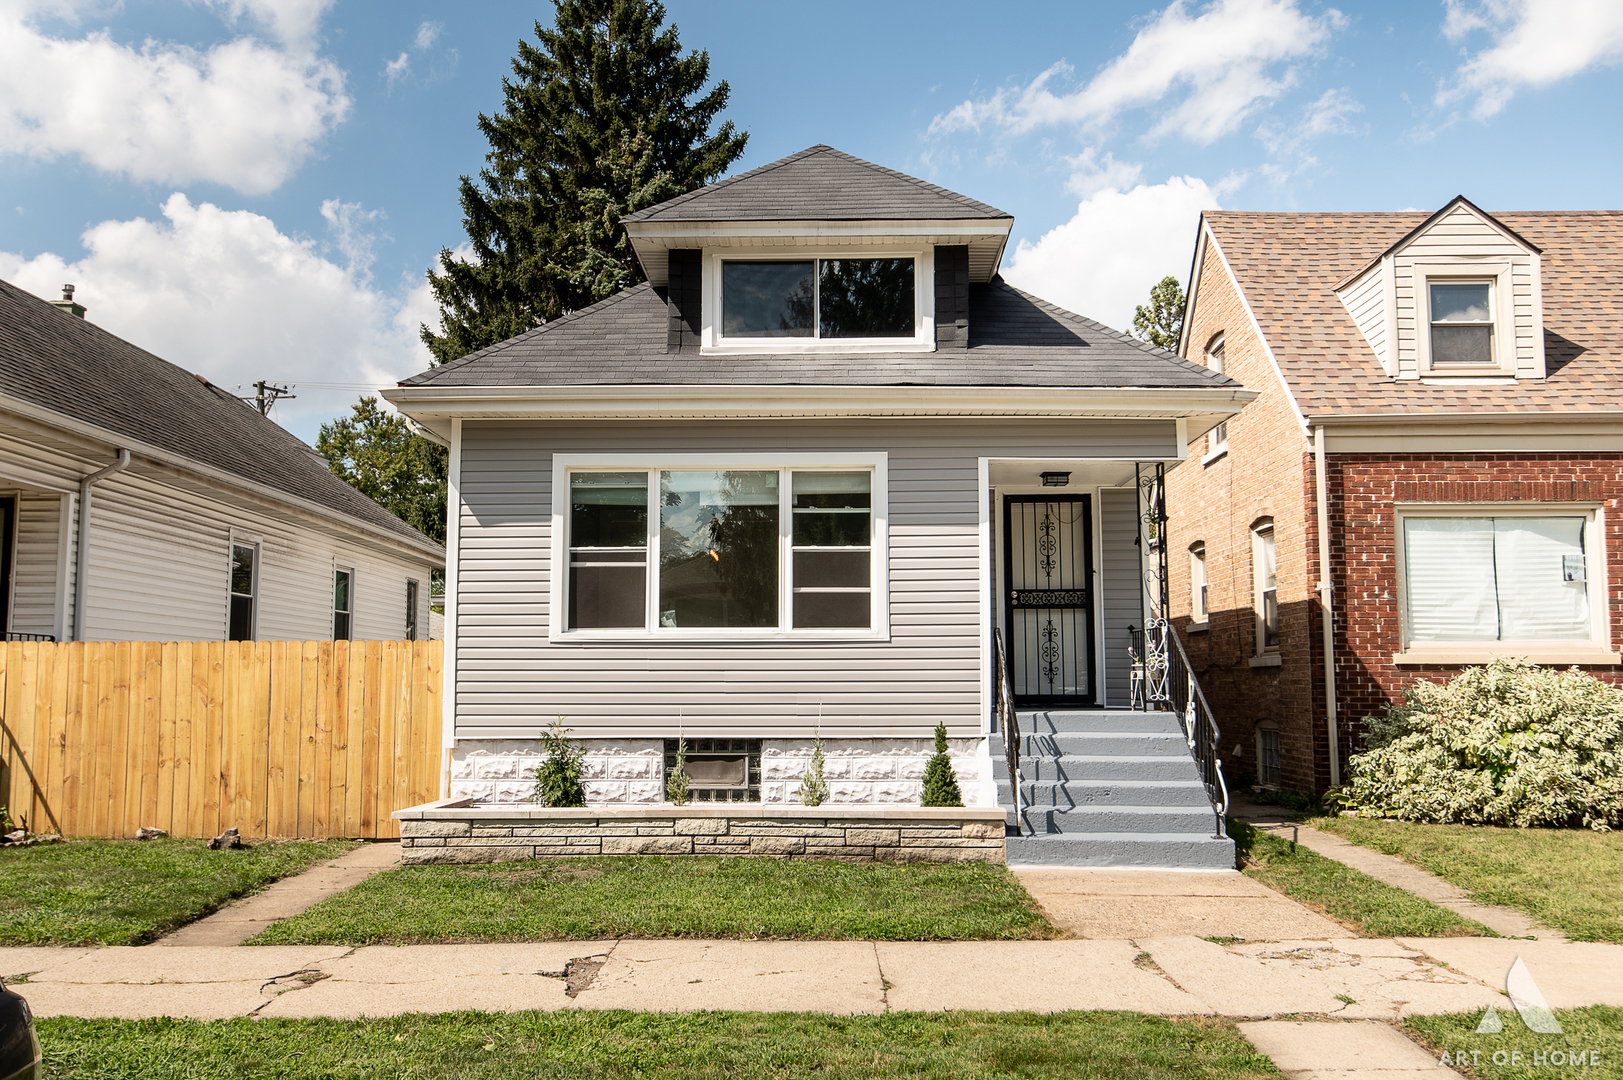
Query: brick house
{"points": [[1467, 473]]}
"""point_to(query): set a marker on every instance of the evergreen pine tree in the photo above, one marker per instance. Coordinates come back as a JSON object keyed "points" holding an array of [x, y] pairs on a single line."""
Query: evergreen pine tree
{"points": [[940, 785], [604, 116]]}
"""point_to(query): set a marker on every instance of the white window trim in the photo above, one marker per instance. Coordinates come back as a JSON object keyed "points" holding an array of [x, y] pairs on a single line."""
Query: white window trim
{"points": [[415, 621], [1597, 649], [1197, 579], [1498, 277], [235, 540], [332, 610], [1263, 649], [557, 601], [923, 339], [1216, 446]]}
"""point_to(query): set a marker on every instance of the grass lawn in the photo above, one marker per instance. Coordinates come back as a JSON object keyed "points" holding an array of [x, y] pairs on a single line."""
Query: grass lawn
{"points": [[1571, 879], [126, 892], [607, 1045], [1597, 1029], [648, 897], [1356, 900]]}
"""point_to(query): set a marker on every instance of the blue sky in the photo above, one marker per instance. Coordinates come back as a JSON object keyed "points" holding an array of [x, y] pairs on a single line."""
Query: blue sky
{"points": [[253, 188]]}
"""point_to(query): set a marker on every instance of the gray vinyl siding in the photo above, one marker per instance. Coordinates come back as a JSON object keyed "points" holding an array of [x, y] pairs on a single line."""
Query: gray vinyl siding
{"points": [[1119, 587], [510, 680]]}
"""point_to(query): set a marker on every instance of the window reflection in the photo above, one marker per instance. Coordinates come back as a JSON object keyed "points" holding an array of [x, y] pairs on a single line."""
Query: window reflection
{"points": [[865, 298], [718, 548], [767, 299]]}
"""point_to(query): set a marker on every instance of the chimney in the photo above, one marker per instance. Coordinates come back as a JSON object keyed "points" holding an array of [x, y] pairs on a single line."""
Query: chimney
{"points": [[67, 303]]}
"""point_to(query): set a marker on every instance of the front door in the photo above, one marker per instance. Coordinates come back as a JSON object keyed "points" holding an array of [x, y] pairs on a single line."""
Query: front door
{"points": [[1048, 598]]}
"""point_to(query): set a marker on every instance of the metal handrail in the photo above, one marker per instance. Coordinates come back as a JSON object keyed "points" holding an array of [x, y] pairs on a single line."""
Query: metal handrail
{"points": [[1008, 723], [13, 636], [1199, 727]]}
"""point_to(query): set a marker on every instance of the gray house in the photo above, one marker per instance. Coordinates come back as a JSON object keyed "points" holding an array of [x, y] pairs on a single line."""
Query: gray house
{"points": [[801, 482]]}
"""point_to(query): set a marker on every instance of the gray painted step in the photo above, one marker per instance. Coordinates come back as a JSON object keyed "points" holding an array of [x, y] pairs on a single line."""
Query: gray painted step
{"points": [[1105, 793], [1100, 768], [1123, 819], [1176, 850], [1052, 722], [1104, 742]]}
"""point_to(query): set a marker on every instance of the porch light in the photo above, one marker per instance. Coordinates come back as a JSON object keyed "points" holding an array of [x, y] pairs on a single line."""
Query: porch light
{"points": [[1056, 479]]}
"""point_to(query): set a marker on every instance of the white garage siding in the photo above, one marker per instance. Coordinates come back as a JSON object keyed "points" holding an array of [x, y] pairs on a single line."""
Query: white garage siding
{"points": [[510, 680]]}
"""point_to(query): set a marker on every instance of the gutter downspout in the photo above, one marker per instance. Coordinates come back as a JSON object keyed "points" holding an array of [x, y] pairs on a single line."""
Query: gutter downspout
{"points": [[82, 565], [1327, 603]]}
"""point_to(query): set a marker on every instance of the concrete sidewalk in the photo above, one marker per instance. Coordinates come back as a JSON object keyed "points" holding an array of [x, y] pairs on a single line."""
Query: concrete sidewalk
{"points": [[1372, 979]]}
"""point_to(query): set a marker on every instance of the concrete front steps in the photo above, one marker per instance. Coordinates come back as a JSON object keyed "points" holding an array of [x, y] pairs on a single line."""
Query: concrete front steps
{"points": [[1108, 787]]}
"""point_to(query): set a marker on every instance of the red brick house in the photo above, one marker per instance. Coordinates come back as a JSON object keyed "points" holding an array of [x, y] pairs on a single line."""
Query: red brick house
{"points": [[1441, 397]]}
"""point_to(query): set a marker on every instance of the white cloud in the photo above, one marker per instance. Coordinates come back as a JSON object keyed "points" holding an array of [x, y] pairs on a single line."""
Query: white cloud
{"points": [[397, 69], [1103, 261], [228, 295], [1228, 58], [1091, 173], [427, 34], [245, 113], [1536, 43]]}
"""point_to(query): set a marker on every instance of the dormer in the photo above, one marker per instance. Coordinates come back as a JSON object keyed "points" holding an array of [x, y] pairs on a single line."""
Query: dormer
{"points": [[1456, 298], [820, 252]]}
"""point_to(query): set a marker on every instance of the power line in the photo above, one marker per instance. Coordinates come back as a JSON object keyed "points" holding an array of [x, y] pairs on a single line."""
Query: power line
{"points": [[269, 394]]}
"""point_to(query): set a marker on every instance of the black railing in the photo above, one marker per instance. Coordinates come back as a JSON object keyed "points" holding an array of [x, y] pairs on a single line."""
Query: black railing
{"points": [[1199, 726], [29, 637], [1008, 723]]}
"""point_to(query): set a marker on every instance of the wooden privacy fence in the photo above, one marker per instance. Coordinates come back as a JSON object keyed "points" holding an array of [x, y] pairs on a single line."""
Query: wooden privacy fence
{"points": [[283, 738]]}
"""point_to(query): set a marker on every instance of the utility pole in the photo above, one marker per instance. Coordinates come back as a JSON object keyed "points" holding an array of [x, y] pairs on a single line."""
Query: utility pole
{"points": [[269, 394]]}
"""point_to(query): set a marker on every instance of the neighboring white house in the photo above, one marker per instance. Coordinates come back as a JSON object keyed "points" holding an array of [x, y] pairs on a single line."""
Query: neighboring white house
{"points": [[793, 485], [207, 521]]}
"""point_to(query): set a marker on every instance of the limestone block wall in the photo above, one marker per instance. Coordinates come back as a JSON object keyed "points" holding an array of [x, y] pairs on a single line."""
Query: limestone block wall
{"points": [[631, 772], [445, 833]]}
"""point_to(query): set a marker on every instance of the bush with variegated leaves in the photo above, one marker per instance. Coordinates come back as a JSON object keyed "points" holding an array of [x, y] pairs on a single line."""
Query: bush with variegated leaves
{"points": [[1504, 744]]}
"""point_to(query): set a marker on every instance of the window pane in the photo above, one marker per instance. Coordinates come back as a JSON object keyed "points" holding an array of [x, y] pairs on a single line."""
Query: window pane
{"points": [[242, 618], [608, 509], [340, 625], [242, 570], [1449, 579], [821, 610], [865, 298], [1532, 559], [1461, 345], [340, 591], [1460, 303], [718, 548], [767, 299], [832, 509], [1268, 570], [833, 569], [606, 595], [411, 611]]}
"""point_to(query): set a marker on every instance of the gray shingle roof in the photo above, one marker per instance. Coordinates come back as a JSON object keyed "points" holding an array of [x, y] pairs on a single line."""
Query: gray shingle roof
{"points": [[75, 368], [1015, 340], [818, 184]]}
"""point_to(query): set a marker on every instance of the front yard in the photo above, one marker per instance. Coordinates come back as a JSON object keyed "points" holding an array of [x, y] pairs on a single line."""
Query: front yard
{"points": [[1369, 907], [1596, 1030], [607, 1045], [649, 897], [125, 892], [1571, 879]]}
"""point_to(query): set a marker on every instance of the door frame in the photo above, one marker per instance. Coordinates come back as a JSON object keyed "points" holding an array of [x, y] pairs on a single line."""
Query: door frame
{"points": [[1090, 575]]}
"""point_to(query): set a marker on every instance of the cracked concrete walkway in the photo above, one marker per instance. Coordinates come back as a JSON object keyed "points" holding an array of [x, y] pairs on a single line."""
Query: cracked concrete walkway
{"points": [[1344, 978], [1394, 871]]}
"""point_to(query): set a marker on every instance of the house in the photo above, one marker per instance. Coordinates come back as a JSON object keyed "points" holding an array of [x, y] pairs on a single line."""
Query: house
{"points": [[792, 486], [1435, 458], [139, 502]]}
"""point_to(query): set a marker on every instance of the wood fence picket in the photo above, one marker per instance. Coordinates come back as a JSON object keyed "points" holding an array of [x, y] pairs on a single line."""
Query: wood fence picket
{"points": [[311, 738]]}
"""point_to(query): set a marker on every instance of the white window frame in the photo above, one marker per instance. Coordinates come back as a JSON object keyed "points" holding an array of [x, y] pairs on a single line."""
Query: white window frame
{"points": [[332, 600], [1596, 649], [414, 622], [234, 541], [1198, 584], [879, 575], [1269, 526], [1497, 277], [923, 340]]}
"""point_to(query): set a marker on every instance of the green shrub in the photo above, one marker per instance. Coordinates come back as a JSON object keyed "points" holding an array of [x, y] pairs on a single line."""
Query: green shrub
{"points": [[676, 784], [1505, 744], [557, 778], [813, 788], [940, 785]]}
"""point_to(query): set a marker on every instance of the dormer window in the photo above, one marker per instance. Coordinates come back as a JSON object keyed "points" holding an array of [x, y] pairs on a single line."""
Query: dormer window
{"points": [[1461, 323], [822, 299]]}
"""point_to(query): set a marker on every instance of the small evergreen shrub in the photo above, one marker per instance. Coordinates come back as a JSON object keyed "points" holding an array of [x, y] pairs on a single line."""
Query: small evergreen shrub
{"points": [[813, 788], [557, 778], [1504, 744], [676, 784], [940, 785]]}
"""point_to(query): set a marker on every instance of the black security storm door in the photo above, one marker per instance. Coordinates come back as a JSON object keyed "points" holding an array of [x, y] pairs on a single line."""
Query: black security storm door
{"points": [[1048, 598]]}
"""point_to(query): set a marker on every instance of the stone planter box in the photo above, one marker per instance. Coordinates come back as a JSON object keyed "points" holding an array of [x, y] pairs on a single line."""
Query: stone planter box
{"points": [[461, 831]]}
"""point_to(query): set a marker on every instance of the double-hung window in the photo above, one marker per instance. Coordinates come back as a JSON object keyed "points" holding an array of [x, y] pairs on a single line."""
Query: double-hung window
{"points": [[1520, 580], [702, 548], [1265, 571], [343, 604], [411, 610], [244, 591], [1461, 322], [1217, 440], [1197, 582]]}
